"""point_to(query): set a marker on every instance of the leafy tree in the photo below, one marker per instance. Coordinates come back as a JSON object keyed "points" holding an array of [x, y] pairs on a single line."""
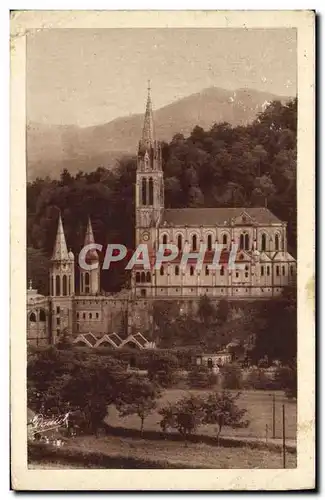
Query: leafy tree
{"points": [[222, 409], [186, 415], [201, 377], [231, 376], [162, 368], [139, 399], [206, 310]]}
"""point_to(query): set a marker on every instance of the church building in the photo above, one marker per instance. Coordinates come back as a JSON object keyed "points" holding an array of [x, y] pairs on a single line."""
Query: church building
{"points": [[261, 237], [266, 266]]}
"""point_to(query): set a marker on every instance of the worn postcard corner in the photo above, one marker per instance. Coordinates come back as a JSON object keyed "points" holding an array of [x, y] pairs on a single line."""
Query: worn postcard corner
{"points": [[162, 242]]}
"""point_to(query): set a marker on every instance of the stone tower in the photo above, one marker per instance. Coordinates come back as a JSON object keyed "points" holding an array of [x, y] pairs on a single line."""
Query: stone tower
{"points": [[149, 179], [90, 278], [62, 285]]}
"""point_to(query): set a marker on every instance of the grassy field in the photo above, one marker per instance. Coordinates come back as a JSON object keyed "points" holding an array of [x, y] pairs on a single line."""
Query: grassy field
{"points": [[195, 455], [259, 412]]}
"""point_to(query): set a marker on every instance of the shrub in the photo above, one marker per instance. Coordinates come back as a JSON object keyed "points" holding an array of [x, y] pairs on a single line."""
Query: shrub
{"points": [[232, 377], [259, 380], [162, 368], [201, 377]]}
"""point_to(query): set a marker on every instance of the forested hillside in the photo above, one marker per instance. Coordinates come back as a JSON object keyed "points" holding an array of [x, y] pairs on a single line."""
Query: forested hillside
{"points": [[253, 165]]}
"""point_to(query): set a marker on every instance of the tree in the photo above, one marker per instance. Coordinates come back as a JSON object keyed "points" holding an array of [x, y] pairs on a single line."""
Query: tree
{"points": [[162, 368], [206, 310], [186, 415], [201, 377], [140, 398], [231, 376], [223, 410]]}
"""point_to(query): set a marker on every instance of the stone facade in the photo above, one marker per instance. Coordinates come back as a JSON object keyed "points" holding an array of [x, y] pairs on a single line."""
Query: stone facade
{"points": [[267, 267]]}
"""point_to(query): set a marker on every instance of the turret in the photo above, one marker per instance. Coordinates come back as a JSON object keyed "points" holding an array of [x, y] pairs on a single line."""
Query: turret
{"points": [[90, 278]]}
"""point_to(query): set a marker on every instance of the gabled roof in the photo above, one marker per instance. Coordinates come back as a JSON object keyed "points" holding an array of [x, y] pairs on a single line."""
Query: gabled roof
{"points": [[282, 257], [60, 251], [141, 339], [113, 339], [138, 339], [264, 257], [88, 339], [216, 216]]}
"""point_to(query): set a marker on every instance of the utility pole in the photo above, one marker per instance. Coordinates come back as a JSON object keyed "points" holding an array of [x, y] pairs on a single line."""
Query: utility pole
{"points": [[273, 416], [283, 436]]}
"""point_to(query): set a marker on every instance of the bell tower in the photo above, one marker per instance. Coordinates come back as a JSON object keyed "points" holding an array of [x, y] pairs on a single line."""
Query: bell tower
{"points": [[61, 285], [90, 279], [149, 177]]}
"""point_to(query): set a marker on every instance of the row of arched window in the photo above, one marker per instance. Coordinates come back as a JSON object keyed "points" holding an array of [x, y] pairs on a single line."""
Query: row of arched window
{"points": [[61, 287], [244, 241], [41, 316], [194, 241], [147, 191], [90, 315]]}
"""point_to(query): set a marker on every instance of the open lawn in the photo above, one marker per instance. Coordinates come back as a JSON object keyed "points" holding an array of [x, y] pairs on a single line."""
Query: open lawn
{"points": [[259, 412], [176, 454]]}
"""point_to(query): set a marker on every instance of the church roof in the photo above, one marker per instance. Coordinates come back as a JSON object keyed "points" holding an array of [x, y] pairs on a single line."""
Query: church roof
{"points": [[148, 130], [216, 216], [60, 251], [92, 255]]}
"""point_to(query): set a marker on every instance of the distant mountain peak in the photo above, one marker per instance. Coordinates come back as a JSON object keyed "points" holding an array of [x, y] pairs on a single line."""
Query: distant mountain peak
{"points": [[50, 148]]}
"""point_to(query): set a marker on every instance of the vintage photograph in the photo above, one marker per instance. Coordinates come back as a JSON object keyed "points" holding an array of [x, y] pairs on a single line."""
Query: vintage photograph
{"points": [[161, 248]]}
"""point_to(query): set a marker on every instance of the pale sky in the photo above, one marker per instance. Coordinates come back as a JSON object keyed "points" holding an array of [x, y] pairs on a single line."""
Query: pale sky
{"points": [[86, 76]]}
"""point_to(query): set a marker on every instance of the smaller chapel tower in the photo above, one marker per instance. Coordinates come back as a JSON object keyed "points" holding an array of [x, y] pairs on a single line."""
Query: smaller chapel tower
{"points": [[90, 278], [61, 285], [149, 179]]}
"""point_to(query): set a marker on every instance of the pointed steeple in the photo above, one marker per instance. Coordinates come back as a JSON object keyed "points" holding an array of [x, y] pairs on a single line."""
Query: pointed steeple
{"points": [[148, 132], [60, 251], [89, 238]]}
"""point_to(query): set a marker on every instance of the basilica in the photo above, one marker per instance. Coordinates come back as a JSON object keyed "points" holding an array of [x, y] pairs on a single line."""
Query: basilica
{"points": [[266, 267]]}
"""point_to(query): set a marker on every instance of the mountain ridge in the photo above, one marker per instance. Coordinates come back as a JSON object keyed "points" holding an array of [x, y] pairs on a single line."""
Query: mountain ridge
{"points": [[52, 147]]}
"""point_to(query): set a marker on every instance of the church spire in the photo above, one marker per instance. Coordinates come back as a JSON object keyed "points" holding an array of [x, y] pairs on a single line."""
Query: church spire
{"points": [[60, 251], [89, 239], [148, 132]]}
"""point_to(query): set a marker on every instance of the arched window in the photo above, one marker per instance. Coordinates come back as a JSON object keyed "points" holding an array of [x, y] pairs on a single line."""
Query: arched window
{"points": [[268, 270], [241, 242], [263, 242], [292, 270], [194, 242], [57, 286], [137, 277], [87, 279], [69, 285], [52, 286], [209, 242], [277, 242], [143, 277], [150, 191], [148, 277], [206, 270], [246, 271], [262, 270], [64, 285], [32, 317], [224, 240], [283, 271], [176, 270], [144, 191], [90, 316], [246, 242], [179, 242], [162, 271], [222, 271], [164, 240], [278, 270], [42, 315], [191, 270]]}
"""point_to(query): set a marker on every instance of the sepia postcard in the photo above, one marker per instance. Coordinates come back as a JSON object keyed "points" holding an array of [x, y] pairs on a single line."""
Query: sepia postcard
{"points": [[162, 250]]}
